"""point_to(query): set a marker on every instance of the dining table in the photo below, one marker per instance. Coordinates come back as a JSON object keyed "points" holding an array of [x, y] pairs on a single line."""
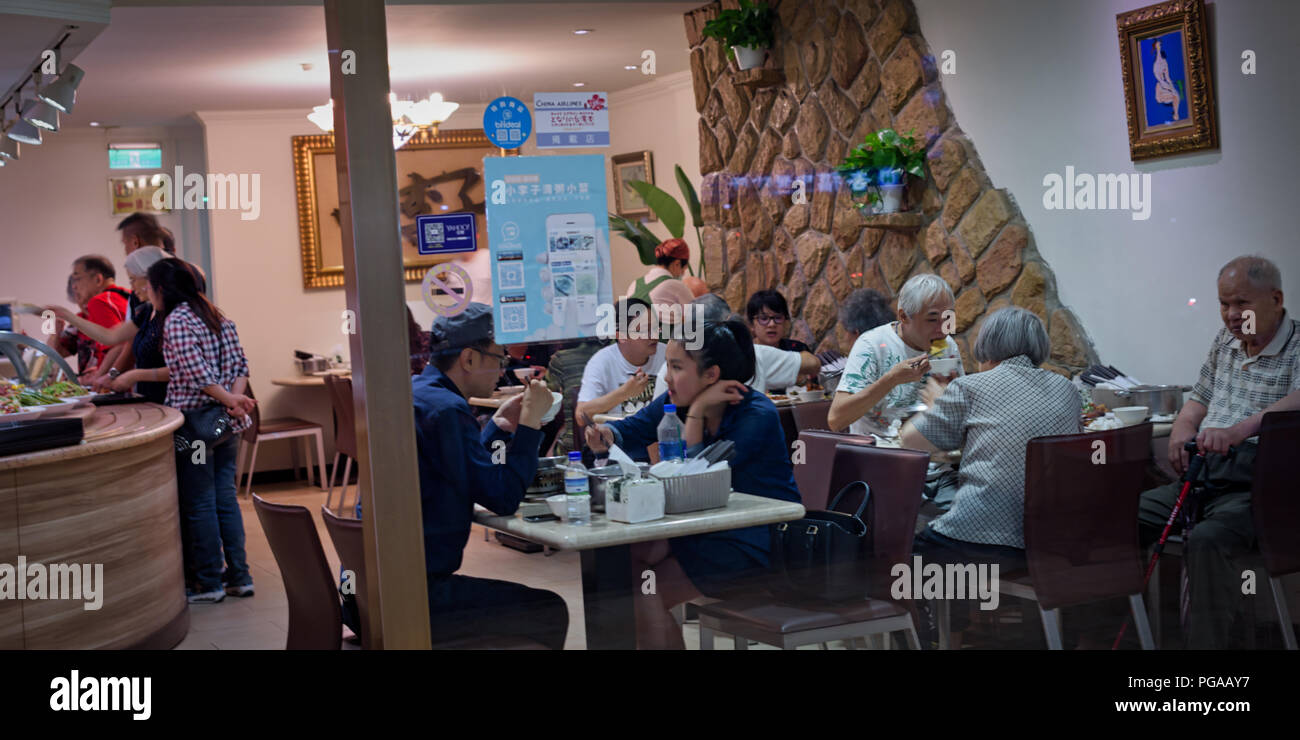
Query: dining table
{"points": [[605, 551]]}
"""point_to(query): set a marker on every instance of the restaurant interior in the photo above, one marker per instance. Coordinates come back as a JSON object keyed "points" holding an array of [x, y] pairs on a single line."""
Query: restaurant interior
{"points": [[928, 317]]}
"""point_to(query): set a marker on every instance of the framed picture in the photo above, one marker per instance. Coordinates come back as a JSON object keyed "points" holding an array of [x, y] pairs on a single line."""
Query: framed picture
{"points": [[440, 173], [129, 194], [628, 168], [1168, 92]]}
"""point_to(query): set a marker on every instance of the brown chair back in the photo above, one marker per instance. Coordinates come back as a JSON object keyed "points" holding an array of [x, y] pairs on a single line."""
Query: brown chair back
{"points": [[1273, 498], [812, 476], [786, 414], [345, 417], [315, 616], [895, 477], [350, 546], [250, 434], [1081, 516], [811, 415]]}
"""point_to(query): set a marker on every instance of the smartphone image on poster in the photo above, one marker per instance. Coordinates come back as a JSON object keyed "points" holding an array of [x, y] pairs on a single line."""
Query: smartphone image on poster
{"points": [[571, 254]]}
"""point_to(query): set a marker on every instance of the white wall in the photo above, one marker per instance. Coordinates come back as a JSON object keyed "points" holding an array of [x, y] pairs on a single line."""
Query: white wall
{"points": [[1038, 87], [55, 207]]}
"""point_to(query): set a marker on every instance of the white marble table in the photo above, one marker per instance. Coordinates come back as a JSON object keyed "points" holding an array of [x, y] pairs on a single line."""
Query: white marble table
{"points": [[608, 583]]}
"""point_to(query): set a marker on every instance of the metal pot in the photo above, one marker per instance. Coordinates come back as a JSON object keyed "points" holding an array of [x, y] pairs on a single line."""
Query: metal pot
{"points": [[1159, 399], [312, 365], [548, 479]]}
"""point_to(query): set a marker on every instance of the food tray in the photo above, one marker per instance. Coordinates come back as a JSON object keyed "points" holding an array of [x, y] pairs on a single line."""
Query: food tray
{"points": [[697, 492]]}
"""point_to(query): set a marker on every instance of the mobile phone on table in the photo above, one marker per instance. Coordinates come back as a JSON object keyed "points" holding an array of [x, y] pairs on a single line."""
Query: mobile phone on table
{"points": [[547, 517]]}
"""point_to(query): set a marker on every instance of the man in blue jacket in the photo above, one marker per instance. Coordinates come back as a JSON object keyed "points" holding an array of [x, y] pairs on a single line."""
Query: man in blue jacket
{"points": [[458, 470]]}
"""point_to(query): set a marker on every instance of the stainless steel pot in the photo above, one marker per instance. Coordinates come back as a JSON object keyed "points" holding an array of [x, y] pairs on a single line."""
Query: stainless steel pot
{"points": [[548, 479], [1159, 399], [313, 365]]}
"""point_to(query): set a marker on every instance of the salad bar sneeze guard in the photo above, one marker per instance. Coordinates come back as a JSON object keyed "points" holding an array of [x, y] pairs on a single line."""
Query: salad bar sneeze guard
{"points": [[9, 346]]}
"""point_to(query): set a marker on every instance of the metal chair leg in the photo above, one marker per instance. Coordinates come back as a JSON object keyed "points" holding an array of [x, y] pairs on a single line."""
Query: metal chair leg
{"points": [[1052, 626], [294, 454], [334, 473], [320, 458], [252, 468], [912, 640], [343, 488], [1140, 619], [1283, 613]]}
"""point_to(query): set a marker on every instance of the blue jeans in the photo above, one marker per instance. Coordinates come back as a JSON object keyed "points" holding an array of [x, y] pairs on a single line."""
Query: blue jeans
{"points": [[210, 516]]}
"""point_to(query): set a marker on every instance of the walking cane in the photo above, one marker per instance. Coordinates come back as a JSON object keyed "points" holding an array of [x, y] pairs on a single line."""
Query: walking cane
{"points": [[1189, 476]]}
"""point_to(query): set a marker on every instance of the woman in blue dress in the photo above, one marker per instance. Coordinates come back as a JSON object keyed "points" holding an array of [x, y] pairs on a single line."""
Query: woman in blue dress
{"points": [[707, 386]]}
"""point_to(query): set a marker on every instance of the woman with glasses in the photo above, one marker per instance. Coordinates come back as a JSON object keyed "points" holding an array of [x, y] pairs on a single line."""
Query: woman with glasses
{"points": [[769, 320]]}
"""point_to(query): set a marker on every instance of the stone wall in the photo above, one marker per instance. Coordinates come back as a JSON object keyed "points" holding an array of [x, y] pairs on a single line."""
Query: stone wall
{"points": [[851, 67]]}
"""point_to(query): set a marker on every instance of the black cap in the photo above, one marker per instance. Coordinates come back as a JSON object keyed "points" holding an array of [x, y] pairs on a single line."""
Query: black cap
{"points": [[466, 329]]}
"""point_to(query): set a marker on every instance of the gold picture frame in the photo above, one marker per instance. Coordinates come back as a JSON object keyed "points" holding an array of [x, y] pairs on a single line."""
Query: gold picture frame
{"points": [[1168, 89], [135, 194], [428, 169], [626, 168]]}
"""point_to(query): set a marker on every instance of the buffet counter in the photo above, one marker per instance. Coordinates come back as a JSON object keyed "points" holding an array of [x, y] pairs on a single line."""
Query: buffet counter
{"points": [[109, 501]]}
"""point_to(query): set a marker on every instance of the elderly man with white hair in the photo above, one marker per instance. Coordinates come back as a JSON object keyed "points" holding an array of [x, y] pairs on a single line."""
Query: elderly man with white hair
{"points": [[1253, 368], [888, 366]]}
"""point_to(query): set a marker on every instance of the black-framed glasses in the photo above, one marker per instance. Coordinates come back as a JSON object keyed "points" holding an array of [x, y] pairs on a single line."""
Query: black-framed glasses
{"points": [[501, 359], [765, 319]]}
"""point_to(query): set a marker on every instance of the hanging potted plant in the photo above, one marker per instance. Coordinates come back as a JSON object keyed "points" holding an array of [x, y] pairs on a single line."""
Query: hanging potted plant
{"points": [[747, 33], [879, 167]]}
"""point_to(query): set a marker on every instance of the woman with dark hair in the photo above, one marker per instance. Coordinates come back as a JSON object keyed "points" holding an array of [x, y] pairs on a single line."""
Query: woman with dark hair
{"points": [[769, 319], [206, 364], [707, 387]]}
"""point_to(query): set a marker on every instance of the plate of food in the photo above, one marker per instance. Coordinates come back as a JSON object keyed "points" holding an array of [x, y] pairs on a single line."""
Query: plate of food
{"points": [[68, 392], [12, 410], [780, 399]]}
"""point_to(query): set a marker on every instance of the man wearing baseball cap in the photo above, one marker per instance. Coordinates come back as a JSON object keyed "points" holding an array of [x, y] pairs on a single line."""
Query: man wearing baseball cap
{"points": [[457, 470]]}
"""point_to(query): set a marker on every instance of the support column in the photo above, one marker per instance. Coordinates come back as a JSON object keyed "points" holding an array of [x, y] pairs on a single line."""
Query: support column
{"points": [[398, 611]]}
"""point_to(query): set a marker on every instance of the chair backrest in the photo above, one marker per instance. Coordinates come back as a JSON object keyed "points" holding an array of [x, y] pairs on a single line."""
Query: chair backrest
{"points": [[811, 415], [345, 426], [315, 616], [896, 478], [1273, 498], [350, 546], [250, 434], [786, 414], [812, 475], [1081, 514]]}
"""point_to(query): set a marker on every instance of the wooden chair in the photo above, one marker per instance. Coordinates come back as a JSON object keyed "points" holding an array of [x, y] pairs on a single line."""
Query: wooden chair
{"points": [[345, 436], [1277, 509], [315, 611], [269, 430]]}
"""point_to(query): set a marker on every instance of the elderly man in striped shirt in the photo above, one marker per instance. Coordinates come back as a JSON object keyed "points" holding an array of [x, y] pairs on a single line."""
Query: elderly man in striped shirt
{"points": [[1253, 368]]}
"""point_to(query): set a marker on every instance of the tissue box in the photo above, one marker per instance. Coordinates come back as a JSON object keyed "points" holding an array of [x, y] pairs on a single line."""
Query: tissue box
{"points": [[633, 500], [687, 493]]}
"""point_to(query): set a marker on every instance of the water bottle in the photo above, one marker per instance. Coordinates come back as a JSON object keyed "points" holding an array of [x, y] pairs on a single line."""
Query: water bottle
{"points": [[671, 446], [576, 491]]}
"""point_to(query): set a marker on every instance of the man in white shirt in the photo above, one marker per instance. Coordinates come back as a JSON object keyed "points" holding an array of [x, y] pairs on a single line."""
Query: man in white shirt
{"points": [[620, 374]]}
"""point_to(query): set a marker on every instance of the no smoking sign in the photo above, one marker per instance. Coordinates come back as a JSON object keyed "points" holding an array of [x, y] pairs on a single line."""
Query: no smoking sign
{"points": [[447, 279]]}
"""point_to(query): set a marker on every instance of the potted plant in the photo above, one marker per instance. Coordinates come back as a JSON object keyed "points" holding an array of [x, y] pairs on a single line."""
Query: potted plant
{"points": [[666, 209], [879, 167], [747, 33]]}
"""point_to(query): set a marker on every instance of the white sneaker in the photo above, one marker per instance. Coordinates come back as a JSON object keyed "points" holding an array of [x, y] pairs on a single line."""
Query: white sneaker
{"points": [[240, 591], [206, 597]]}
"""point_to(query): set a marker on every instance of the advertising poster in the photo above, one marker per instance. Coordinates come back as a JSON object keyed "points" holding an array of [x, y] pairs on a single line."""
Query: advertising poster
{"points": [[548, 234], [571, 120]]}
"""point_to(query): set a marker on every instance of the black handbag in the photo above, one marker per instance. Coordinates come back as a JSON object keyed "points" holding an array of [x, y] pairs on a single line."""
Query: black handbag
{"points": [[210, 425], [824, 556]]}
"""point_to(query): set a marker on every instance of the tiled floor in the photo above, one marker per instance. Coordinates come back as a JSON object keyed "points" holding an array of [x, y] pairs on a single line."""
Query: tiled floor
{"points": [[261, 622]]}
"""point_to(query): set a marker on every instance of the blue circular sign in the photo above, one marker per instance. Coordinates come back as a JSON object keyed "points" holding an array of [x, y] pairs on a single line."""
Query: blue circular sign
{"points": [[507, 122]]}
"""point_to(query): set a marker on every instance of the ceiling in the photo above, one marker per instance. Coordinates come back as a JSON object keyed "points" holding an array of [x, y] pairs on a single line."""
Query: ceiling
{"points": [[156, 65]]}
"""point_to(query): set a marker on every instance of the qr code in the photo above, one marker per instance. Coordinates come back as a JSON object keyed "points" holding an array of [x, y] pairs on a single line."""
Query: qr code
{"points": [[510, 275], [514, 317], [433, 233]]}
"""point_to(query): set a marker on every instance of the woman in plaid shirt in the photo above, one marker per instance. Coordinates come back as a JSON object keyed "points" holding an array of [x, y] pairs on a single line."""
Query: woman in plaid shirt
{"points": [[207, 365]]}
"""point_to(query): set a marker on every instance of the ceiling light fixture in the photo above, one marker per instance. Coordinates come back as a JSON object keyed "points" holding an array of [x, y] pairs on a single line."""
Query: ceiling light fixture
{"points": [[8, 146], [579, 84], [23, 131], [94, 123], [41, 115], [582, 31], [62, 93], [629, 66], [409, 116]]}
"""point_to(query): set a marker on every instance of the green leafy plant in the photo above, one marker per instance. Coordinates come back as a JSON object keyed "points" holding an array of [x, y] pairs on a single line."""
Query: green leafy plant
{"points": [[885, 157], [750, 26], [666, 209]]}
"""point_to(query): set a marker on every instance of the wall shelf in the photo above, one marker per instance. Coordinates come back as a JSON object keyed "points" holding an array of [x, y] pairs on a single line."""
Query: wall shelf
{"points": [[759, 77], [904, 221]]}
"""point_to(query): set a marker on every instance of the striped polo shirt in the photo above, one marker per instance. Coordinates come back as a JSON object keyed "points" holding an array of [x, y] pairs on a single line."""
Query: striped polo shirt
{"points": [[1233, 386]]}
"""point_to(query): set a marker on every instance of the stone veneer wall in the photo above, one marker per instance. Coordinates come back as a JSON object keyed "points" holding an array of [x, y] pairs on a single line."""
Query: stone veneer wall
{"points": [[852, 67]]}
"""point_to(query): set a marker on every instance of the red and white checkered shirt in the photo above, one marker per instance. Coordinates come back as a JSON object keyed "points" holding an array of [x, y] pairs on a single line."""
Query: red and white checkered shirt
{"points": [[197, 358]]}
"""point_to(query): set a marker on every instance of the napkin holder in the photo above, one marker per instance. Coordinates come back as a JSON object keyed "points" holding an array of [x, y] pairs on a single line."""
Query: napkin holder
{"points": [[634, 500]]}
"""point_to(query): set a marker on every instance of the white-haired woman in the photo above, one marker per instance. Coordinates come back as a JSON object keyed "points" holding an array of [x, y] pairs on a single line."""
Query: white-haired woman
{"points": [[990, 416], [143, 331]]}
